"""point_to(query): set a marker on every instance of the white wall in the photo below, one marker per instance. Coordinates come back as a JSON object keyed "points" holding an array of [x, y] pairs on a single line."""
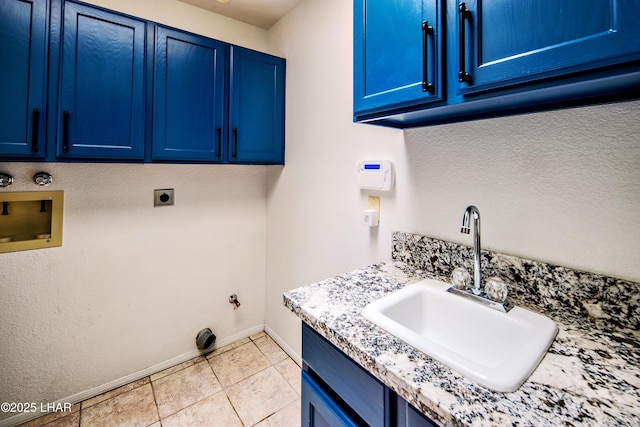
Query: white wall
{"points": [[186, 17], [132, 284], [560, 186]]}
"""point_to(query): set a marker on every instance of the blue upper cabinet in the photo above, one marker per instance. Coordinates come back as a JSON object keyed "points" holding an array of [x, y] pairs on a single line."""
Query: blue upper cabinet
{"points": [[256, 107], [490, 58], [508, 43], [80, 82], [101, 113], [216, 103], [398, 53], [23, 73], [189, 97]]}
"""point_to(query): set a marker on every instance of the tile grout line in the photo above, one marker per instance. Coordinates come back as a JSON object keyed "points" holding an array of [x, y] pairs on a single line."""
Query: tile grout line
{"points": [[223, 387], [205, 358], [271, 365], [155, 401]]}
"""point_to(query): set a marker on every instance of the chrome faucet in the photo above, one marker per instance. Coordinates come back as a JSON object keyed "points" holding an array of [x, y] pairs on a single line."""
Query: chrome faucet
{"points": [[495, 294], [477, 277]]}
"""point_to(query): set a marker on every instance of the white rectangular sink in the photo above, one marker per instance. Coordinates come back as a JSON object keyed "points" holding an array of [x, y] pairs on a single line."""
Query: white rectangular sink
{"points": [[497, 350]]}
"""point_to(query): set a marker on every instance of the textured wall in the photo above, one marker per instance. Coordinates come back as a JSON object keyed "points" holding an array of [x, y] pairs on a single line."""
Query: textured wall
{"points": [[560, 186], [132, 284]]}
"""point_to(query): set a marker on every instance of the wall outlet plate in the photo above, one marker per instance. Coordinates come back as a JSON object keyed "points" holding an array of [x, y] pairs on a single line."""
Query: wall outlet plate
{"points": [[163, 197], [374, 203]]}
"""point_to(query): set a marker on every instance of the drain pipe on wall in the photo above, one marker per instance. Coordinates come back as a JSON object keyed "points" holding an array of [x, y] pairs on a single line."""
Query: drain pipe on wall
{"points": [[206, 338]]}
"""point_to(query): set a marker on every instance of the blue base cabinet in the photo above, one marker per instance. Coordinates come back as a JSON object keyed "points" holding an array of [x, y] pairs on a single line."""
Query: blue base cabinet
{"points": [[319, 409], [23, 74], [337, 392], [488, 58]]}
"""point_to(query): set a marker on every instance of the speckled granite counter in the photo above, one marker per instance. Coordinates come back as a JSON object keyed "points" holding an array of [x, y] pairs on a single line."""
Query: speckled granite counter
{"points": [[590, 376]]}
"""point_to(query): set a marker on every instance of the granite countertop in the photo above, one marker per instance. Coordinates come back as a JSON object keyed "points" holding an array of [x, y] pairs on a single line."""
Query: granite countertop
{"points": [[590, 376]]}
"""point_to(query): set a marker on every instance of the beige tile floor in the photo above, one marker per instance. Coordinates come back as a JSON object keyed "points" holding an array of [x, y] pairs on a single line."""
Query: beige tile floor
{"points": [[251, 382]]}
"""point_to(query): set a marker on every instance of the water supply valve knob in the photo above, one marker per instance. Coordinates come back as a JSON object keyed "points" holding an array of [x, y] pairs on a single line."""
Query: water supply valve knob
{"points": [[233, 299], [42, 179], [5, 180]]}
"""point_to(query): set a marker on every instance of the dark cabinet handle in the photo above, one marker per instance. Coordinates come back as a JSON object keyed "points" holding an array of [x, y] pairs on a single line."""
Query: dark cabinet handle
{"points": [[219, 149], [65, 131], [464, 13], [426, 31], [234, 152], [35, 125]]}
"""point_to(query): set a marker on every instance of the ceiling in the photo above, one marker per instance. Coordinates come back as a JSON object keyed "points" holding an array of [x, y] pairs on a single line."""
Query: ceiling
{"points": [[261, 13]]}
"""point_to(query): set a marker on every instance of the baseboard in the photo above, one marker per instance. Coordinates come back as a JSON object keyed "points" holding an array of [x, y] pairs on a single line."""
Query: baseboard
{"points": [[95, 391], [295, 356]]}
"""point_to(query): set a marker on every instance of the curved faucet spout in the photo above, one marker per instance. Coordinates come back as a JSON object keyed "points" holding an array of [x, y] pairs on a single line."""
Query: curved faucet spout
{"points": [[466, 228]]}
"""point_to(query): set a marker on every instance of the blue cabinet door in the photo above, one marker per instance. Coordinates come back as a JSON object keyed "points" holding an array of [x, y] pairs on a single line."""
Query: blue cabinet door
{"points": [[318, 409], [511, 42], [397, 53], [407, 416], [102, 102], [256, 107], [23, 72], [189, 98]]}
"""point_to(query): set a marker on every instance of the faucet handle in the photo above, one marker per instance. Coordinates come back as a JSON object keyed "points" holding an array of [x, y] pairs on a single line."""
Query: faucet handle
{"points": [[496, 290], [461, 279]]}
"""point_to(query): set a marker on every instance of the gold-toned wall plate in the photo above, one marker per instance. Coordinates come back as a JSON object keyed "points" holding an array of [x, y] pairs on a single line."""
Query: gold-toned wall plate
{"points": [[30, 220]]}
